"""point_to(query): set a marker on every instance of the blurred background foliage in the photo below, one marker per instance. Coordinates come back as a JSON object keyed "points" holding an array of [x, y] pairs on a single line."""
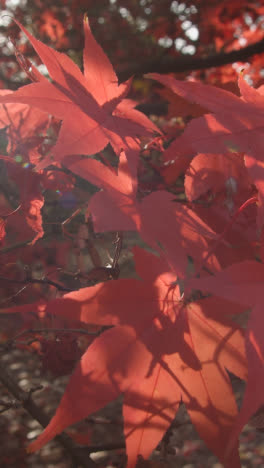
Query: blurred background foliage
{"points": [[138, 35]]}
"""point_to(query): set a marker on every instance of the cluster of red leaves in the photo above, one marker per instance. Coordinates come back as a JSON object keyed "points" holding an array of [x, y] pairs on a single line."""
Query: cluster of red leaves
{"points": [[167, 344]]}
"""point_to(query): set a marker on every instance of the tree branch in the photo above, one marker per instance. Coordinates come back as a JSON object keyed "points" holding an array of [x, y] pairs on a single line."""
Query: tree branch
{"points": [[168, 64], [190, 62]]}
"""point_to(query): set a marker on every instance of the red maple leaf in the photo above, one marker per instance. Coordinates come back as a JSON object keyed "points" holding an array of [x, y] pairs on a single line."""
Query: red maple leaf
{"points": [[91, 105], [158, 353], [242, 283], [236, 124]]}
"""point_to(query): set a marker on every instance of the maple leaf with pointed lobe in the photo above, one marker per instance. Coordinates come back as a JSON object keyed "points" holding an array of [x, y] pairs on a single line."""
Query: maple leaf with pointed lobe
{"points": [[242, 283], [159, 352], [236, 123], [91, 105]]}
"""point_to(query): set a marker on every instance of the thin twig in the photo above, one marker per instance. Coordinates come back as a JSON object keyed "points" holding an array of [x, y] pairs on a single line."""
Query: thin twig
{"points": [[5, 250], [37, 281], [80, 458]]}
